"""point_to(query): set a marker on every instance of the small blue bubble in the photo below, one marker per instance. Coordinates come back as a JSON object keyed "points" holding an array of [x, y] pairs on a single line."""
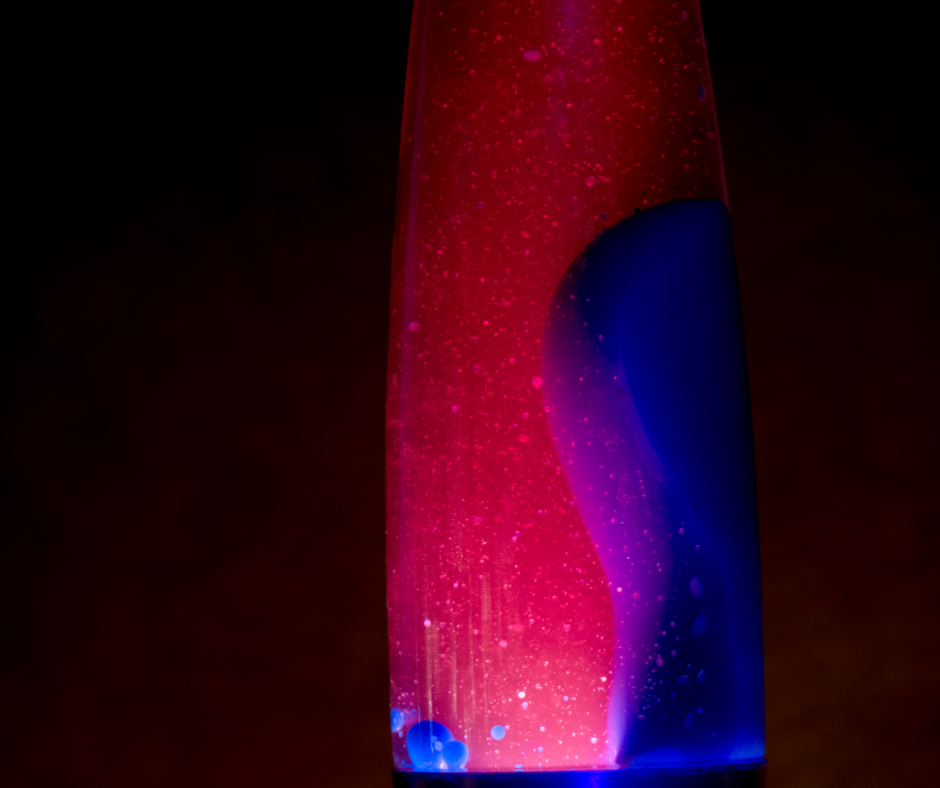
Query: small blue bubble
{"points": [[498, 732], [701, 677], [397, 720], [700, 627], [455, 754]]}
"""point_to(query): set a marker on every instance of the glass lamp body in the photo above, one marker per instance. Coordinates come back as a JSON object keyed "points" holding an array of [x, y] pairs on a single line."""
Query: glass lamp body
{"points": [[572, 555]]}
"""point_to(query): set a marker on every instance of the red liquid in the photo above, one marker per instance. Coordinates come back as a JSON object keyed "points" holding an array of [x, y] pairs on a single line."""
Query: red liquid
{"points": [[529, 127]]}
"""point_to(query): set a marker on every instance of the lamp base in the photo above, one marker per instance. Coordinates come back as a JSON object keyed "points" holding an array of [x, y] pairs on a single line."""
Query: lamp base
{"points": [[739, 775]]}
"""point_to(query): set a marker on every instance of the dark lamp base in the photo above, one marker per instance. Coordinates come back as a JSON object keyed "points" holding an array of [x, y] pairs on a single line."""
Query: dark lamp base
{"points": [[739, 775]]}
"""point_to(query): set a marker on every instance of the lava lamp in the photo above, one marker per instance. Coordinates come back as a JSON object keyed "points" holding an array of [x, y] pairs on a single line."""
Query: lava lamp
{"points": [[572, 545]]}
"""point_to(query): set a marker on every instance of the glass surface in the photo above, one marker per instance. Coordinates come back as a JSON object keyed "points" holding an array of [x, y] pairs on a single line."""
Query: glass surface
{"points": [[527, 630]]}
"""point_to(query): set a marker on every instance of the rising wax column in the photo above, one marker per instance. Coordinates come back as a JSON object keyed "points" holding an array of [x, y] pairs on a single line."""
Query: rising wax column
{"points": [[529, 128]]}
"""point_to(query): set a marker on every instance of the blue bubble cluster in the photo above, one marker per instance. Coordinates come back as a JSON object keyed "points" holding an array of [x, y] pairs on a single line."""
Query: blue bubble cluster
{"points": [[432, 747], [397, 720]]}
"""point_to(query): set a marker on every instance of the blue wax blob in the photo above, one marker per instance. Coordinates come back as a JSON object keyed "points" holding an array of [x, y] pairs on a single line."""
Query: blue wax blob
{"points": [[425, 742], [645, 379], [498, 732], [397, 720], [455, 754], [700, 627]]}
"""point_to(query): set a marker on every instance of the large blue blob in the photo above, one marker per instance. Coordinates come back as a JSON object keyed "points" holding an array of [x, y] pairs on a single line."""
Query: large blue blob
{"points": [[425, 742], [645, 372]]}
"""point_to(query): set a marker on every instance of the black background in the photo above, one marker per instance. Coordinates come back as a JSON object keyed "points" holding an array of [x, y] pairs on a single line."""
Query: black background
{"points": [[194, 297]]}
